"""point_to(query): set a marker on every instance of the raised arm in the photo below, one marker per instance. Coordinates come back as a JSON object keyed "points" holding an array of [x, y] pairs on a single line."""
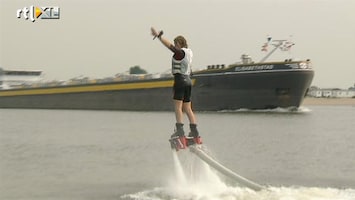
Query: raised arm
{"points": [[178, 53], [159, 36]]}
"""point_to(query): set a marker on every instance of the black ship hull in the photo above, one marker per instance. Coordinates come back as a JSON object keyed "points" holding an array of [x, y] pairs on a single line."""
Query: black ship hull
{"points": [[253, 91], [251, 86]]}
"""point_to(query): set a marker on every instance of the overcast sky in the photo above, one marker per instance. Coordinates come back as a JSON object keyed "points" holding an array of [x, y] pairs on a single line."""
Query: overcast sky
{"points": [[99, 38]]}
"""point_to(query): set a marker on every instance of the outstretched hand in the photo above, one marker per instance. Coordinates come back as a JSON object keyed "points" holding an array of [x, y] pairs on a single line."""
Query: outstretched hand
{"points": [[157, 34], [154, 32]]}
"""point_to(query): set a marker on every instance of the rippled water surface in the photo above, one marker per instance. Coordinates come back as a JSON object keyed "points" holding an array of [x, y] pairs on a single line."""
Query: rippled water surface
{"points": [[71, 154]]}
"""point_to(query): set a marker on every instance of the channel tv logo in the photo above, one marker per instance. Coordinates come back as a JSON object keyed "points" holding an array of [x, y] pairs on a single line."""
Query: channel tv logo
{"points": [[34, 13]]}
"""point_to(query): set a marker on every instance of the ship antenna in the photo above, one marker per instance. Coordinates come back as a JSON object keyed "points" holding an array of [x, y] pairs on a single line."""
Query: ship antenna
{"points": [[276, 44]]}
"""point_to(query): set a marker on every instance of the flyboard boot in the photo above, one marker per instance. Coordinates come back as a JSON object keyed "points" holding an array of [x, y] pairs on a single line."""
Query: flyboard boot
{"points": [[194, 136], [178, 140]]}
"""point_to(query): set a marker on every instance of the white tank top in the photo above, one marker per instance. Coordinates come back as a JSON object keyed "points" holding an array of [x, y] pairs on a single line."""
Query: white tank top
{"points": [[182, 66]]}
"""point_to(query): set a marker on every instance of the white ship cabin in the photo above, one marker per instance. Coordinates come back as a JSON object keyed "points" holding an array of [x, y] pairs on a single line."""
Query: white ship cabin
{"points": [[10, 79]]}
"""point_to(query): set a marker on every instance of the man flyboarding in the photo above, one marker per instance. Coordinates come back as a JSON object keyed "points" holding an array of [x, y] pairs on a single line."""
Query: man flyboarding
{"points": [[181, 69]]}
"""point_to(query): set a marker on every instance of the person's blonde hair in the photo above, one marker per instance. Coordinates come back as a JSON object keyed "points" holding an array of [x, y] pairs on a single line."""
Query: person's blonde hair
{"points": [[181, 40]]}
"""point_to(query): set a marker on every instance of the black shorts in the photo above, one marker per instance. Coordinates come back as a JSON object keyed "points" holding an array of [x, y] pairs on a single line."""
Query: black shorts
{"points": [[182, 88]]}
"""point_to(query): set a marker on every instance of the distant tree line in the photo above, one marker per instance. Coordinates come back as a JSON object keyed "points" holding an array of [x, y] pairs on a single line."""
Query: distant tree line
{"points": [[137, 70]]}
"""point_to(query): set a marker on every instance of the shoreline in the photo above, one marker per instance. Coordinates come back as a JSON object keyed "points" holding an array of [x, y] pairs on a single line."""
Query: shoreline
{"points": [[328, 101]]}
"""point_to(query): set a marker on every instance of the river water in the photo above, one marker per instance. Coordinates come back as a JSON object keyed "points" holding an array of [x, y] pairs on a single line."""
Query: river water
{"points": [[104, 155]]}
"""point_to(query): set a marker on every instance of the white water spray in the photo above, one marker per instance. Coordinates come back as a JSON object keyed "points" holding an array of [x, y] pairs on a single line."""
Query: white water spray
{"points": [[194, 177], [195, 180]]}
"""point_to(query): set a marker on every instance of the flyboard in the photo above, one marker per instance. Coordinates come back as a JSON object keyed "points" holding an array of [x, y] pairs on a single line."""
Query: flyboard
{"points": [[194, 145]]}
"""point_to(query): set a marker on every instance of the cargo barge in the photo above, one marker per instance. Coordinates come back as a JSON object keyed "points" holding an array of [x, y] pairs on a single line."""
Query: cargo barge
{"points": [[250, 86], [245, 85]]}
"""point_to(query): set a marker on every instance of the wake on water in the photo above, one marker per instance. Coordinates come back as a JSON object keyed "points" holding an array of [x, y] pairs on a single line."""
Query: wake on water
{"points": [[195, 180], [290, 110]]}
